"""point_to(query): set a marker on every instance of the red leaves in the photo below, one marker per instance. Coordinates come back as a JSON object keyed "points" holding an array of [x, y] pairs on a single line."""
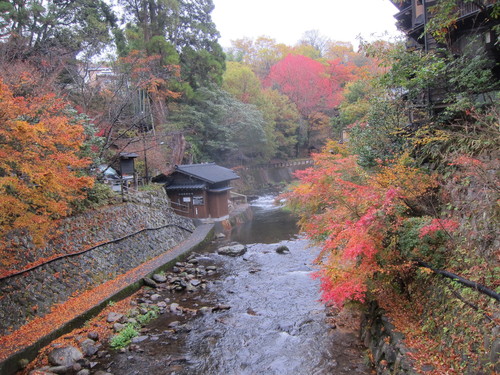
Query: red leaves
{"points": [[311, 85], [438, 224], [352, 215]]}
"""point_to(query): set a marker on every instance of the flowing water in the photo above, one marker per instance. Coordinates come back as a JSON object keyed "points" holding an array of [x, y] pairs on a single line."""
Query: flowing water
{"points": [[271, 323]]}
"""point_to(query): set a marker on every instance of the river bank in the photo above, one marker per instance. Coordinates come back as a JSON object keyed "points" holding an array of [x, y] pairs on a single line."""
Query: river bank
{"points": [[256, 313]]}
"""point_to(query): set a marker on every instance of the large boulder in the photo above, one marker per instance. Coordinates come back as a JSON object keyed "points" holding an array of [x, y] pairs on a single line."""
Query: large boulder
{"points": [[232, 250], [65, 356]]}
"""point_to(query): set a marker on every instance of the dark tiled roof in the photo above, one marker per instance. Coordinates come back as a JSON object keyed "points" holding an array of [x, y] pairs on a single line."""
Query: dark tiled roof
{"points": [[209, 172], [186, 187], [128, 155]]}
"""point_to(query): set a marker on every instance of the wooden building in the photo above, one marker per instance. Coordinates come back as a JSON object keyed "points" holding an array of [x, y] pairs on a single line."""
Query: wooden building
{"points": [[200, 190], [127, 167], [475, 24], [473, 32]]}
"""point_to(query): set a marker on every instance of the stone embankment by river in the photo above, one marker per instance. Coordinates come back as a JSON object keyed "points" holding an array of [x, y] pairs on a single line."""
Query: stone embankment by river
{"points": [[33, 293], [254, 313]]}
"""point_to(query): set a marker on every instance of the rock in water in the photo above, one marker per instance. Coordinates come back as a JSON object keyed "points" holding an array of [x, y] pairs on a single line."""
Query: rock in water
{"points": [[232, 250], [65, 356], [282, 249]]}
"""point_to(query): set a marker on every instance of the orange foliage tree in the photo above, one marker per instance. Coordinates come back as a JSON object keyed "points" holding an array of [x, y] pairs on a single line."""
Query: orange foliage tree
{"points": [[353, 214], [39, 164]]}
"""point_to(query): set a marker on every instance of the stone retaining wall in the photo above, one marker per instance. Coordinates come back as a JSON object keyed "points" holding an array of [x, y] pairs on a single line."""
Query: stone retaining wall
{"points": [[274, 178], [385, 344], [33, 293]]}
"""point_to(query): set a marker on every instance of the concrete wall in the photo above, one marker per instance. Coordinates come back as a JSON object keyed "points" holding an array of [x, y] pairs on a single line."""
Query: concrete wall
{"points": [[33, 293]]}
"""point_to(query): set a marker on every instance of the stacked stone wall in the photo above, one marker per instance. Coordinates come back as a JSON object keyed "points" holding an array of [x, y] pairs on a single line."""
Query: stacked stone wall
{"points": [[34, 293], [389, 353]]}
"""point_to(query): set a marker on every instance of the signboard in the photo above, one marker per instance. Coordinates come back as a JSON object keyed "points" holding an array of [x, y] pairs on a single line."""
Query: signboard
{"points": [[186, 199], [198, 201]]}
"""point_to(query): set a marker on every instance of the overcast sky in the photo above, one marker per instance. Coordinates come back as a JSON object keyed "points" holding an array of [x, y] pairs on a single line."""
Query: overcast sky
{"points": [[287, 20]]}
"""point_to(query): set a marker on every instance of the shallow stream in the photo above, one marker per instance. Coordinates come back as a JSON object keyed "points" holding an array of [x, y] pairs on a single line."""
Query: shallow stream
{"points": [[270, 320]]}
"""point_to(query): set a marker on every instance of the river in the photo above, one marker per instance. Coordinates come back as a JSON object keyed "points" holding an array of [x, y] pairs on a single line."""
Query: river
{"points": [[270, 320]]}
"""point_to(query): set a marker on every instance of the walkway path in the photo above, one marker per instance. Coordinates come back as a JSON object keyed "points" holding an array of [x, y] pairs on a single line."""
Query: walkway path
{"points": [[30, 338]]}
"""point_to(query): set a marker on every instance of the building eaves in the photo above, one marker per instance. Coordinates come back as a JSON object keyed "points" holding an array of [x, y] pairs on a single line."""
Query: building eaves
{"points": [[209, 172]]}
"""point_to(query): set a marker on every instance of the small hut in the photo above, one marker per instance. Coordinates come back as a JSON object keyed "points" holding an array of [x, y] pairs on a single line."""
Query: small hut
{"points": [[200, 190], [127, 167]]}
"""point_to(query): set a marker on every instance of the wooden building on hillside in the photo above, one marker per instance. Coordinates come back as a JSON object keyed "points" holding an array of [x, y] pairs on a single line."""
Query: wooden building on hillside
{"points": [[473, 32], [200, 190], [475, 25]]}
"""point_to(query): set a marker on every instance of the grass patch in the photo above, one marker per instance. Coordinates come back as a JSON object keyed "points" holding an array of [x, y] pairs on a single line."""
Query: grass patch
{"points": [[124, 337]]}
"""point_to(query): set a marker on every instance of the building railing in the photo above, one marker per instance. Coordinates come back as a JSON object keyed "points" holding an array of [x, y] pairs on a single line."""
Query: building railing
{"points": [[237, 197], [467, 8], [285, 164], [179, 207]]}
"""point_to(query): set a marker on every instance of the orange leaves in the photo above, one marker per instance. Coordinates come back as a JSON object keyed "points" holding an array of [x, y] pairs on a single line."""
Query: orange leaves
{"points": [[38, 164], [151, 74], [411, 182]]}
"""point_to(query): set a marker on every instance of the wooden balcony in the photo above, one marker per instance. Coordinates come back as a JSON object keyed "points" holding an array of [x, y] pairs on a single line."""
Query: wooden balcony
{"points": [[467, 9]]}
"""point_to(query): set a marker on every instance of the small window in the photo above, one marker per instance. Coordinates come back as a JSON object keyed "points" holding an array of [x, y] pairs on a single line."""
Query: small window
{"points": [[198, 201]]}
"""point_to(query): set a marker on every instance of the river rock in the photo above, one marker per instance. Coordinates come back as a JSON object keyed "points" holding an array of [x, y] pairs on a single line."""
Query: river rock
{"points": [[174, 307], [232, 250], [204, 310], [40, 372], [283, 250], [221, 308], [155, 297], [93, 336], [150, 282], [61, 369], [195, 282], [65, 356], [139, 339], [83, 372], [114, 317], [159, 278], [132, 321], [89, 347]]}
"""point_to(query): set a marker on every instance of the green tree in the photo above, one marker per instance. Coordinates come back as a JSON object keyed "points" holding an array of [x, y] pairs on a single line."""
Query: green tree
{"points": [[220, 128], [260, 54], [185, 25], [71, 25], [242, 83]]}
